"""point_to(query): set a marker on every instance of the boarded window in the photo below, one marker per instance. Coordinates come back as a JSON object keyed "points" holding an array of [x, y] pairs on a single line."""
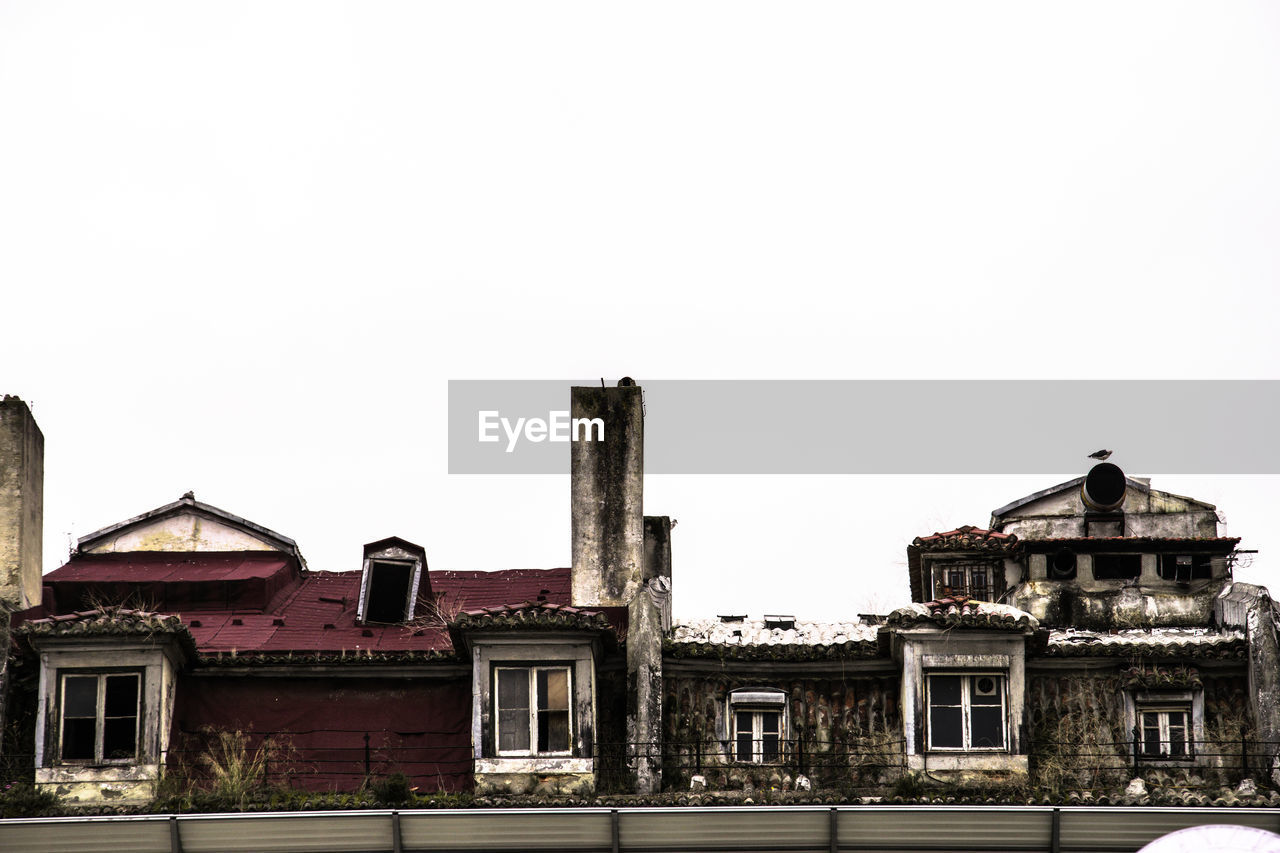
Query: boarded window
{"points": [[388, 596]]}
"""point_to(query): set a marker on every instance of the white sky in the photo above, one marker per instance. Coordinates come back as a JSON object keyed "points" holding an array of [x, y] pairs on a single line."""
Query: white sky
{"points": [[243, 247]]}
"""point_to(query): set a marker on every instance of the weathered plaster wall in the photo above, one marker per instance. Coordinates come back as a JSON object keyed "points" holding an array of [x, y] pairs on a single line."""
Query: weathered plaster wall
{"points": [[420, 726], [1081, 740], [607, 482], [1147, 512], [1102, 605], [849, 731], [21, 505], [184, 532]]}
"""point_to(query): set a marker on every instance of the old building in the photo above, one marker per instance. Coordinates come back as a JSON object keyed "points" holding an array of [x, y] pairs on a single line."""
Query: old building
{"points": [[1088, 635]]}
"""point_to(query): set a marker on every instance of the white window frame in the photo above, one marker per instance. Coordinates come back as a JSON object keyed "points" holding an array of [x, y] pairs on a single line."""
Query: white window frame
{"points": [[99, 730], [966, 704], [532, 672], [757, 702], [757, 734], [366, 587], [1164, 710]]}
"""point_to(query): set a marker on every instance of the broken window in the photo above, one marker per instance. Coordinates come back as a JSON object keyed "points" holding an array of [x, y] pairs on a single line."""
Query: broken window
{"points": [[388, 593], [1165, 732], [533, 710], [1116, 566], [1186, 567], [100, 717], [967, 711]]}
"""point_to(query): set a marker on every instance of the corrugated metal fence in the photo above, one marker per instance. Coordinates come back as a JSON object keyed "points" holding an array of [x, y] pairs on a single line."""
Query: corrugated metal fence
{"points": [[635, 830]]}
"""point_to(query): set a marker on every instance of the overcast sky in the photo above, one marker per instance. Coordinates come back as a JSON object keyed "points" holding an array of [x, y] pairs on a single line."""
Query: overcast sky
{"points": [[244, 246]]}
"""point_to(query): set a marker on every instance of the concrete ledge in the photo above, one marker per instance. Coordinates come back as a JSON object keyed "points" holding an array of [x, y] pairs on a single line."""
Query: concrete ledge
{"points": [[535, 765], [969, 762], [109, 786]]}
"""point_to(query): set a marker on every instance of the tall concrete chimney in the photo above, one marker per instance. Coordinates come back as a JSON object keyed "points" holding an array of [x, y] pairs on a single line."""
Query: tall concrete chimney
{"points": [[608, 496], [21, 505]]}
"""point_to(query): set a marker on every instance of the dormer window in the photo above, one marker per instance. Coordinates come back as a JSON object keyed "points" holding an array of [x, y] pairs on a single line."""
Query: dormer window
{"points": [[393, 580], [389, 584], [972, 579]]}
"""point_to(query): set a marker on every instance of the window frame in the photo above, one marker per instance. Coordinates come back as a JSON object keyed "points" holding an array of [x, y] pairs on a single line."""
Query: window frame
{"points": [[366, 601], [1163, 710], [966, 705], [757, 714], [99, 732], [945, 571], [532, 671]]}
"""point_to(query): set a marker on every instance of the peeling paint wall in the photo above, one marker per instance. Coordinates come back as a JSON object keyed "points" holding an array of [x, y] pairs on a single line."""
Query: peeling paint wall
{"points": [[1081, 736], [21, 505], [607, 483], [847, 731], [1147, 512], [183, 532]]}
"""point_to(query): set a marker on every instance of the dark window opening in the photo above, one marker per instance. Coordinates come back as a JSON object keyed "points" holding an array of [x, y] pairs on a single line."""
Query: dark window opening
{"points": [[1186, 567], [100, 717], [533, 711], [1062, 564], [388, 591], [1117, 566]]}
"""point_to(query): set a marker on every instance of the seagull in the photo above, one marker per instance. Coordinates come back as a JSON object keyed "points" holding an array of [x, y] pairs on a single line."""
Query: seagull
{"points": [[1101, 455]]}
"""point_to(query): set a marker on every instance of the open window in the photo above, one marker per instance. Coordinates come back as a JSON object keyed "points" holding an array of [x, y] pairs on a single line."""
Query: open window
{"points": [[393, 579], [967, 712], [1186, 567], [757, 725], [532, 706], [1116, 566], [99, 717]]}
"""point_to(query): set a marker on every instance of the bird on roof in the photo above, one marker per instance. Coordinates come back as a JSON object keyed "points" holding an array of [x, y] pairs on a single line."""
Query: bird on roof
{"points": [[1100, 455]]}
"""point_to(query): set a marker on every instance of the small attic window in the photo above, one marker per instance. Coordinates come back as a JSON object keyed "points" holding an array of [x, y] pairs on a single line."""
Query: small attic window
{"points": [[394, 579], [782, 623], [387, 596]]}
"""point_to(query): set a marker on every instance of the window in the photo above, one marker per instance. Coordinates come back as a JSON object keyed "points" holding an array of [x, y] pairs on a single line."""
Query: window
{"points": [[1165, 732], [100, 717], [757, 724], [971, 580], [389, 583], [967, 712], [1185, 567], [533, 710], [1116, 566], [757, 736]]}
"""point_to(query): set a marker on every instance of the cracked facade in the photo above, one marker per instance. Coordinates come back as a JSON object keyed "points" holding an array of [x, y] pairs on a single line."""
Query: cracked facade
{"points": [[1088, 634]]}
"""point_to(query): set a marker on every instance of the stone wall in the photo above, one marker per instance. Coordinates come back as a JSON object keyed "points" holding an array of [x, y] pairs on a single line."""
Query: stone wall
{"points": [[844, 732]]}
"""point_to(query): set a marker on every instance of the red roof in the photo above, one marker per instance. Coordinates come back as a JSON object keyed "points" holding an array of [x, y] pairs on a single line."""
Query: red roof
{"points": [[306, 611], [169, 567]]}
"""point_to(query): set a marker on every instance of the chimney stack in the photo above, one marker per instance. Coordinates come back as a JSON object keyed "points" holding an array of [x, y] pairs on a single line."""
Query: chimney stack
{"points": [[608, 496], [21, 505]]}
